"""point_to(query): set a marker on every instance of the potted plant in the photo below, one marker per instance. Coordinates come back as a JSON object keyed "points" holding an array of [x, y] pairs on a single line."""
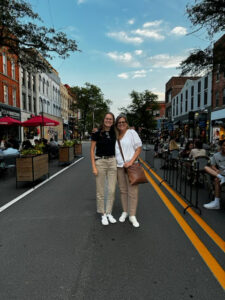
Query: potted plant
{"points": [[31, 165], [66, 152], [77, 147]]}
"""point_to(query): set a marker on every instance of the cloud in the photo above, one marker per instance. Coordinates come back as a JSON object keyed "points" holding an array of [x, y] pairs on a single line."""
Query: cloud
{"points": [[138, 52], [152, 24], [154, 34], [123, 37], [165, 61], [124, 58], [140, 74], [131, 21], [179, 31], [80, 1], [133, 74], [123, 75]]}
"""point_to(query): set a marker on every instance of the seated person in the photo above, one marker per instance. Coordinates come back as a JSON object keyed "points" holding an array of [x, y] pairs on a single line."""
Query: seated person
{"points": [[187, 150], [9, 149], [27, 145], [197, 150], [217, 170], [173, 145]]}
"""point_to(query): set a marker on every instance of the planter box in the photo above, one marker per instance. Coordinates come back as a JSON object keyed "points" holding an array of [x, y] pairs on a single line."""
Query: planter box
{"points": [[78, 149], [66, 154], [31, 168]]}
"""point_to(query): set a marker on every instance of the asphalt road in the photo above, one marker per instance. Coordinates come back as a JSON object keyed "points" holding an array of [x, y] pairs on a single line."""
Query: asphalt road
{"points": [[52, 246]]}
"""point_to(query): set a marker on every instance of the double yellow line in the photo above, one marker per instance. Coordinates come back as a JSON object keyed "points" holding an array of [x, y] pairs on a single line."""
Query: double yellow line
{"points": [[208, 258]]}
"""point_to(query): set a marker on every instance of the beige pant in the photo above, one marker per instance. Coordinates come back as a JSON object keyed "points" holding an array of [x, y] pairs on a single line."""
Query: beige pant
{"points": [[107, 170], [128, 193]]}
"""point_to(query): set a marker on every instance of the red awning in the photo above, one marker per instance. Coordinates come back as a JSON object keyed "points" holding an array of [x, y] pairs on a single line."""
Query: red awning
{"points": [[40, 121], [9, 121]]}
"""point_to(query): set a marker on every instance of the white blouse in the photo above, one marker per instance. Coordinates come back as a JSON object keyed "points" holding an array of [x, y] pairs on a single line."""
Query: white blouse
{"points": [[129, 144]]}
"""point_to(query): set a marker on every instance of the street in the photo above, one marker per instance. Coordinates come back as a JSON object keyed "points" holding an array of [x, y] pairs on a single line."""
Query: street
{"points": [[53, 246]]}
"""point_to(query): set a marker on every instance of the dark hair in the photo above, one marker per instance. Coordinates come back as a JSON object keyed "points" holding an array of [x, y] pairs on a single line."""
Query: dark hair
{"points": [[198, 144], [8, 145], [221, 143], [102, 127], [188, 144]]}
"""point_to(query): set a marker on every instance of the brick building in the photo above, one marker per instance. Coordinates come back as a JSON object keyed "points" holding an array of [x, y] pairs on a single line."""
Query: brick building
{"points": [[9, 90]]}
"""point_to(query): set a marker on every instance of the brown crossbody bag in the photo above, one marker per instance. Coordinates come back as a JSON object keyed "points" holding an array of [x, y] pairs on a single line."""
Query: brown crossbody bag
{"points": [[136, 174]]}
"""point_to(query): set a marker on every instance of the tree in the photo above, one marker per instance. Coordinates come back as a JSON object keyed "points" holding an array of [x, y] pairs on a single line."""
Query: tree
{"points": [[21, 35], [208, 14], [90, 101], [140, 113]]}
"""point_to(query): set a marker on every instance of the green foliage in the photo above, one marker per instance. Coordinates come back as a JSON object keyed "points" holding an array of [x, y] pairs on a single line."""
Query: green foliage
{"points": [[140, 113], [91, 103], [68, 143], [21, 34], [31, 152], [210, 15]]}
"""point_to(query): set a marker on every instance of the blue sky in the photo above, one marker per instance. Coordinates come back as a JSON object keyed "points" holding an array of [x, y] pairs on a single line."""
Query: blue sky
{"points": [[126, 44]]}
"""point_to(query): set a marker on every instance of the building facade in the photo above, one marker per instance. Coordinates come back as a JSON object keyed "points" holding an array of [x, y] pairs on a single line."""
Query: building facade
{"points": [[9, 91], [191, 108]]}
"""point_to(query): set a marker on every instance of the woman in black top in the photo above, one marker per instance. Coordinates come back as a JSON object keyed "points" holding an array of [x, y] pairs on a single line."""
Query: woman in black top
{"points": [[104, 167]]}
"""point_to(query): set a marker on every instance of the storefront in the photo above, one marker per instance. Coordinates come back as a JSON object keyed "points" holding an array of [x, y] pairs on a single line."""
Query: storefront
{"points": [[10, 131], [218, 125]]}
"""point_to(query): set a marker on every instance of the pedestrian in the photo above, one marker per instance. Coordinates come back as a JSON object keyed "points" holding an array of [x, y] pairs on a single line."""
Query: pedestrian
{"points": [[104, 167], [197, 150], [131, 147]]}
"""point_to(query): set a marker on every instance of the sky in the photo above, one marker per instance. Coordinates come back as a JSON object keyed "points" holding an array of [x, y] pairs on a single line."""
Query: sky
{"points": [[125, 44]]}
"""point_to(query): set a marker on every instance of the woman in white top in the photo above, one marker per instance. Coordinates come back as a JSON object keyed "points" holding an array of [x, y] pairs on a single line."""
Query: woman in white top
{"points": [[131, 146], [197, 150]]}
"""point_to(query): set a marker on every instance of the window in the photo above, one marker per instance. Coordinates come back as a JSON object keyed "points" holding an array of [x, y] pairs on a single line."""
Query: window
{"points": [[186, 100], [24, 101], [218, 73], [199, 87], [14, 97], [223, 96], [39, 83], [205, 97], [23, 76], [6, 94], [181, 103], [206, 82], [29, 103], [29, 80], [47, 88], [4, 63], [43, 86], [35, 106], [199, 100], [192, 97], [13, 69], [34, 83], [217, 99], [177, 107]]}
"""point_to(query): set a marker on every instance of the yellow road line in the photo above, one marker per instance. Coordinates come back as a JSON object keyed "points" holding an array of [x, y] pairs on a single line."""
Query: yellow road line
{"points": [[211, 233], [210, 261]]}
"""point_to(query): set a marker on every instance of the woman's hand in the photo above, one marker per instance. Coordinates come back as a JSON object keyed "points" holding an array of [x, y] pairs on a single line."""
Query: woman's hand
{"points": [[128, 164], [95, 171]]}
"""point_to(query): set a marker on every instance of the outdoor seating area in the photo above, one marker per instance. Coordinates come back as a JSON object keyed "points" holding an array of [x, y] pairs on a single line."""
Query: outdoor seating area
{"points": [[186, 175]]}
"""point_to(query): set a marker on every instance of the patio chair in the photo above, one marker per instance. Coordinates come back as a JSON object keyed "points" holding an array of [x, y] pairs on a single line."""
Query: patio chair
{"points": [[9, 162], [199, 164]]}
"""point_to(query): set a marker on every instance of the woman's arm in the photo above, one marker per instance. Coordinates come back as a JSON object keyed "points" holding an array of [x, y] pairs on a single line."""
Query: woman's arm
{"points": [[134, 158], [92, 152]]}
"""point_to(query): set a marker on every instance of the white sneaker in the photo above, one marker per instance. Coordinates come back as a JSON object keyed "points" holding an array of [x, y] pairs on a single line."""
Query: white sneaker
{"points": [[212, 205], [105, 220], [222, 180], [111, 218], [123, 217], [134, 221]]}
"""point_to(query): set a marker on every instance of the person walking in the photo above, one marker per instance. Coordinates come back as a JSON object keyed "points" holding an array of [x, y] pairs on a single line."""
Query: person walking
{"points": [[131, 146], [104, 167]]}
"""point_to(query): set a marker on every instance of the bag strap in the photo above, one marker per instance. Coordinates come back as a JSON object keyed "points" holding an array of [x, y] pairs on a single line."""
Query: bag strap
{"points": [[121, 151]]}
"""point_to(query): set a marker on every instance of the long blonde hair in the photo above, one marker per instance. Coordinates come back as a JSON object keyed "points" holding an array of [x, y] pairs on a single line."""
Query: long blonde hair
{"points": [[173, 145]]}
